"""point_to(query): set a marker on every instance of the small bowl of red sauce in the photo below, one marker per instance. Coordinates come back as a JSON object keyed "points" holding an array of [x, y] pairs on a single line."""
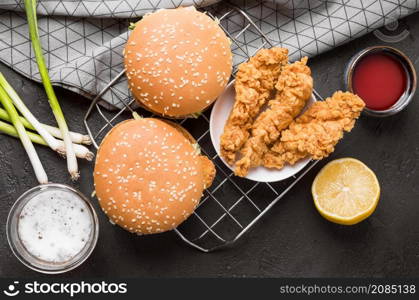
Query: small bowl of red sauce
{"points": [[384, 78]]}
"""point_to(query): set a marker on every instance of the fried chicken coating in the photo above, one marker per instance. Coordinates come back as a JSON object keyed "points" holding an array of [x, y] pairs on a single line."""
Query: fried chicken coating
{"points": [[208, 170], [293, 89], [255, 80], [316, 132]]}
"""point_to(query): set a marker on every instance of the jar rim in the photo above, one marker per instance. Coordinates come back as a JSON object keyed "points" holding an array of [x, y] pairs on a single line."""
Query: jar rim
{"points": [[409, 92], [24, 256]]}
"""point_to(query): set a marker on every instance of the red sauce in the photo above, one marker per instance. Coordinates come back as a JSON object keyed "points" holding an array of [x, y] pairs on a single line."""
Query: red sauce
{"points": [[380, 80]]}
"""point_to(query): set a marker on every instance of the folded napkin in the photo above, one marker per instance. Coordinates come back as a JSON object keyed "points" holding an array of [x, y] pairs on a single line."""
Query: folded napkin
{"points": [[83, 40]]}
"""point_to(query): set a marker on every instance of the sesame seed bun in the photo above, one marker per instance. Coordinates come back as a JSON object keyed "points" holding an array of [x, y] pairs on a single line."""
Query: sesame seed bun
{"points": [[178, 61], [148, 176]]}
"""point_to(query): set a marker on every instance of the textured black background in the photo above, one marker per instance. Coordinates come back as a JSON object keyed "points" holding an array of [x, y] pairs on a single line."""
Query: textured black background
{"points": [[293, 240]]}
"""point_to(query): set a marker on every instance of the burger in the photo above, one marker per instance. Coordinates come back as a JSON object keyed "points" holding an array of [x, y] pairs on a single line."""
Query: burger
{"points": [[177, 61], [149, 175]]}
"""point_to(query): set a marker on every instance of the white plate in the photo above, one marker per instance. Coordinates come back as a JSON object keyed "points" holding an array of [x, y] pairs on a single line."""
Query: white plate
{"points": [[219, 116]]}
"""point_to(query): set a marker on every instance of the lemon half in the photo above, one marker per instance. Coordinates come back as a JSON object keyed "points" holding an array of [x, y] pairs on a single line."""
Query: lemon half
{"points": [[346, 191]]}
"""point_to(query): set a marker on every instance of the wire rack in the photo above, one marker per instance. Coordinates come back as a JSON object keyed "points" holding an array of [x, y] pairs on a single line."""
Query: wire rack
{"points": [[232, 205]]}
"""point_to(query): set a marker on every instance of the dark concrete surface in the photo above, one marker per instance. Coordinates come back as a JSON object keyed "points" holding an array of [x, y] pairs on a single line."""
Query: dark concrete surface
{"points": [[293, 240]]}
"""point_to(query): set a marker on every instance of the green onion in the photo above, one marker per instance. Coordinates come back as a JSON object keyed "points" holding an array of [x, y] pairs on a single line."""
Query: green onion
{"points": [[81, 151], [20, 105], [76, 138], [30, 8], [26, 142]]}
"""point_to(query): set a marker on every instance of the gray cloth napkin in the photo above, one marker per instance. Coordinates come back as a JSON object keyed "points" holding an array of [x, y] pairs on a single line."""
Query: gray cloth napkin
{"points": [[83, 40]]}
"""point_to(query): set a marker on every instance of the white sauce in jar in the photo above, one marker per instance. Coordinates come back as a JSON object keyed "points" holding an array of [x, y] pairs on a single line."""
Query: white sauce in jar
{"points": [[55, 225]]}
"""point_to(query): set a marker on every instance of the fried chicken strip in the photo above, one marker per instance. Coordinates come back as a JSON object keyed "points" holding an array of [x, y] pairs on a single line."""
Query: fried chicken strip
{"points": [[294, 88], [254, 81], [316, 132]]}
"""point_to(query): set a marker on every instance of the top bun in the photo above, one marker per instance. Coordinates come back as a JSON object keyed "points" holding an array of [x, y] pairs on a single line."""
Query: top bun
{"points": [[149, 176], [178, 61]]}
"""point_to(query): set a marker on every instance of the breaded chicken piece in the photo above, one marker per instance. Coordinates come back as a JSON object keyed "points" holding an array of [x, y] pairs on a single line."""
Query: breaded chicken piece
{"points": [[207, 165], [316, 132], [209, 170], [294, 88], [255, 80]]}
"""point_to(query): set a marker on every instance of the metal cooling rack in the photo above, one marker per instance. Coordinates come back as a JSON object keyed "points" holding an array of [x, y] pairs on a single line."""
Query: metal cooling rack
{"points": [[232, 205]]}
